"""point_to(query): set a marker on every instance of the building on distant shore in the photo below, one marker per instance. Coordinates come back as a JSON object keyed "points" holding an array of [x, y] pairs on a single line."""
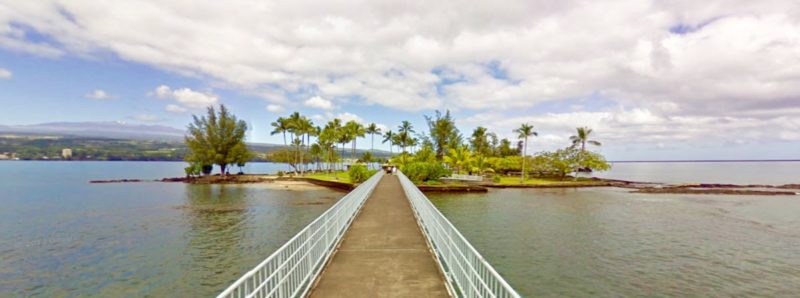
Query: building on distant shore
{"points": [[8, 155], [66, 153]]}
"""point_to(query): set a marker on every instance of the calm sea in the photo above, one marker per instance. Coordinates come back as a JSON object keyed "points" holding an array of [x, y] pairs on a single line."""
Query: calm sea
{"points": [[763, 172], [65, 237], [608, 242]]}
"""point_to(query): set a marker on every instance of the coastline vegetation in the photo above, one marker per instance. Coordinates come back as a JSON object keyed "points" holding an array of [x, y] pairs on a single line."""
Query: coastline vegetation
{"points": [[425, 156]]}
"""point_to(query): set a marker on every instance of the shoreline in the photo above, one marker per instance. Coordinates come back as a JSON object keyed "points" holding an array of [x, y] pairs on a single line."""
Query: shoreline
{"points": [[634, 186]]}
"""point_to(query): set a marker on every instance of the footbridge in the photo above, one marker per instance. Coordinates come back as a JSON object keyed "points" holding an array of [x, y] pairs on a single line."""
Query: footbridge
{"points": [[384, 239]]}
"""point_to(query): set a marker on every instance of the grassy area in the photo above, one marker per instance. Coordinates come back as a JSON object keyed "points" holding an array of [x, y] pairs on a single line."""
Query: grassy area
{"points": [[335, 176], [514, 180]]}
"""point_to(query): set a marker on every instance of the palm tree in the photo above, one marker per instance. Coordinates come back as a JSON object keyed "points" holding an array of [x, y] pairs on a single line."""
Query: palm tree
{"points": [[405, 129], [355, 130], [305, 127], [337, 134], [459, 158], [389, 137], [373, 130], [582, 138], [280, 126], [523, 132]]}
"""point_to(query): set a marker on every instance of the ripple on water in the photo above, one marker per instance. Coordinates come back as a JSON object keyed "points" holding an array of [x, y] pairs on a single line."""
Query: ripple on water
{"points": [[607, 242]]}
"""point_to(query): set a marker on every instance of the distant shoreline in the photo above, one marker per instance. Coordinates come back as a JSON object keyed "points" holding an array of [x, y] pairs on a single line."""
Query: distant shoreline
{"points": [[706, 160], [611, 161]]}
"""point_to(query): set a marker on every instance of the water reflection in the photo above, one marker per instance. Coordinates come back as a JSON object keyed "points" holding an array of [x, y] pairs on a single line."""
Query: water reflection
{"points": [[218, 217]]}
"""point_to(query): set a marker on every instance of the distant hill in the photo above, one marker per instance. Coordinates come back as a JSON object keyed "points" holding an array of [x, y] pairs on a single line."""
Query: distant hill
{"points": [[111, 130], [107, 141]]}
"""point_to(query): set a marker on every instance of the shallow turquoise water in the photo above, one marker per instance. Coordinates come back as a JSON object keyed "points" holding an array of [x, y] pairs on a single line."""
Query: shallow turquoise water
{"points": [[64, 237]]}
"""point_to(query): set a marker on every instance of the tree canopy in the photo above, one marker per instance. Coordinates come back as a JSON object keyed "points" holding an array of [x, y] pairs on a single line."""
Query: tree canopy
{"points": [[217, 138]]}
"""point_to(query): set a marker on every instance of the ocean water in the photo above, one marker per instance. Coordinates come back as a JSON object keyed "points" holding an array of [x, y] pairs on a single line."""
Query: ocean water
{"points": [[764, 172], [65, 237], [608, 242]]}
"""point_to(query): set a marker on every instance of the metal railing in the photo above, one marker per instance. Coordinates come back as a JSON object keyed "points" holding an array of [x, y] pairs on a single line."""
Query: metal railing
{"points": [[467, 272], [291, 270]]}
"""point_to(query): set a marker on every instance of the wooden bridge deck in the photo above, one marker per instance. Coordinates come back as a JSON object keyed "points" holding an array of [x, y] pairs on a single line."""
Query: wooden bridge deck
{"points": [[384, 253]]}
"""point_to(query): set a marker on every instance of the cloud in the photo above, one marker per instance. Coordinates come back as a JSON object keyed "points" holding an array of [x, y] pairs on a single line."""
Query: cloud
{"points": [[273, 108], [145, 118], [173, 108], [706, 61], [99, 95], [5, 74], [186, 99], [319, 103], [347, 117]]}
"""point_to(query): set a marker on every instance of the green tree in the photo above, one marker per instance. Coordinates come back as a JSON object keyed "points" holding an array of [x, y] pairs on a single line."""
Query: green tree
{"points": [[523, 132], [443, 132], [280, 126], [582, 137], [459, 158], [404, 131], [481, 141], [217, 138], [373, 130], [354, 130], [389, 137]]}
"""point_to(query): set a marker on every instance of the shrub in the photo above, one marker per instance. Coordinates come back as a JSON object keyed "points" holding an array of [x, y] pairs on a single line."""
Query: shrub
{"points": [[496, 179], [281, 173], [425, 171], [206, 169], [359, 173]]}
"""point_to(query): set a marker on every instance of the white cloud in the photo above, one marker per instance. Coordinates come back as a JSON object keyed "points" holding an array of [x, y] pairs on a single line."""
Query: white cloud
{"points": [[173, 108], [100, 95], [145, 118], [187, 99], [722, 58], [319, 103], [273, 108], [347, 116], [5, 74]]}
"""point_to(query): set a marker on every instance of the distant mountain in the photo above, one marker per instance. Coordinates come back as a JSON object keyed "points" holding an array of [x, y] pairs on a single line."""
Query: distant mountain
{"points": [[78, 134], [113, 130]]}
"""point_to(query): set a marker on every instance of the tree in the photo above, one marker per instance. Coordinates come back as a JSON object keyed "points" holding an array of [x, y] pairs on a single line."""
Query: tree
{"points": [[373, 130], [355, 130], [459, 158], [280, 126], [523, 132], [217, 138], [405, 129], [582, 137], [389, 137], [480, 140], [443, 132]]}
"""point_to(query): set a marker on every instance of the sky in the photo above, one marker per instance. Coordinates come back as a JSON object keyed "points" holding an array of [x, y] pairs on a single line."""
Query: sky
{"points": [[655, 80]]}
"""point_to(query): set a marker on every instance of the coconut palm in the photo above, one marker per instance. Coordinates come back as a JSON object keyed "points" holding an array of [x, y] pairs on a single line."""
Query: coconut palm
{"points": [[582, 138], [388, 136], [355, 130], [458, 158], [523, 132], [405, 129], [373, 130], [280, 126]]}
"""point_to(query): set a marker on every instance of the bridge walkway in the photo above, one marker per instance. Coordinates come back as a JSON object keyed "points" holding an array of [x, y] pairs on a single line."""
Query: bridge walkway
{"points": [[384, 253]]}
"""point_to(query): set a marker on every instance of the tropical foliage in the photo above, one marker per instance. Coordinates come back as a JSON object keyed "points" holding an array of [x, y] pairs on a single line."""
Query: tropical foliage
{"points": [[217, 139]]}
